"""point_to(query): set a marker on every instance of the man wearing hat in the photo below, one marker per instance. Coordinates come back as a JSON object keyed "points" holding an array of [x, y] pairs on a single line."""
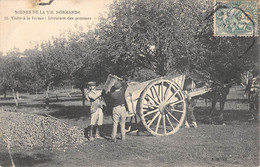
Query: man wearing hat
{"points": [[119, 110], [96, 105]]}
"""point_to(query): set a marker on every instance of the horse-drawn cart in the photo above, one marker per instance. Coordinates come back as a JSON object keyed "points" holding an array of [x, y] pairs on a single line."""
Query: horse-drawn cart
{"points": [[160, 103]]}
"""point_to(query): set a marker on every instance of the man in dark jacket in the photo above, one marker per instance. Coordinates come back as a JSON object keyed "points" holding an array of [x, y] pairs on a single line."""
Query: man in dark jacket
{"points": [[119, 110]]}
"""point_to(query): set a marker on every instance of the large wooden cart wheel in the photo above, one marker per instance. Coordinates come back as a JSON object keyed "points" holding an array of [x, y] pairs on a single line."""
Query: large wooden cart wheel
{"points": [[162, 107]]}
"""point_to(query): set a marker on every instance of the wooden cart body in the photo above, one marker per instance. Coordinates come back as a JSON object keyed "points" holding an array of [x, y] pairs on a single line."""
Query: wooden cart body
{"points": [[134, 90], [160, 103]]}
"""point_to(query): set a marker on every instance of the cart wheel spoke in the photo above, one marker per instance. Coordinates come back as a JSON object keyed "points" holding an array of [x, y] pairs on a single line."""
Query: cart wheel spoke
{"points": [[152, 92], [156, 93], [173, 95], [180, 111], [153, 99], [159, 91], [174, 118], [150, 112], [167, 92], [156, 115], [151, 105], [158, 123], [164, 124], [176, 102], [169, 121], [162, 92]]}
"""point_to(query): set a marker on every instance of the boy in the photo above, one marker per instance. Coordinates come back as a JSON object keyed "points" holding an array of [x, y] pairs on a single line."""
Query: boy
{"points": [[96, 110]]}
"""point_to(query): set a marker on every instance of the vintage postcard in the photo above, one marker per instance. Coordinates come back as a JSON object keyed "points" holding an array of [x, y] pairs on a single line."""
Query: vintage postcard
{"points": [[113, 83]]}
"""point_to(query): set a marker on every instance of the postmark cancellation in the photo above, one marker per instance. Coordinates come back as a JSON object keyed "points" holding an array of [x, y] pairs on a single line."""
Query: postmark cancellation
{"points": [[235, 18]]}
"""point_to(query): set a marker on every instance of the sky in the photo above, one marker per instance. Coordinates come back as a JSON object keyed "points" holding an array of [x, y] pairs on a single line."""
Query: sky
{"points": [[23, 34]]}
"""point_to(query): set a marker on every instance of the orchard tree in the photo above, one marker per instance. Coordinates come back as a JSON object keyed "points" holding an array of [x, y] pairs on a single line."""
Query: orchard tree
{"points": [[68, 58], [33, 56], [53, 63], [5, 79], [150, 34], [16, 73], [85, 63], [167, 37]]}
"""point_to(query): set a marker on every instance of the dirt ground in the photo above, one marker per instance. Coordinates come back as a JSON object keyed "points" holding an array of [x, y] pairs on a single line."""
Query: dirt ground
{"points": [[234, 144]]}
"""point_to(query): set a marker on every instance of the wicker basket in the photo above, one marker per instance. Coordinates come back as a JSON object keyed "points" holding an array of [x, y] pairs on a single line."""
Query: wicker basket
{"points": [[111, 80]]}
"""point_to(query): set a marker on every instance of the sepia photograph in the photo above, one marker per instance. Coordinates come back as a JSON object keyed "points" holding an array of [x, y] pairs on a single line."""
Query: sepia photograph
{"points": [[112, 83]]}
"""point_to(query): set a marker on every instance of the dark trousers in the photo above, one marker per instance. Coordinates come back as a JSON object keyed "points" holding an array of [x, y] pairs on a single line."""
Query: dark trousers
{"points": [[253, 103]]}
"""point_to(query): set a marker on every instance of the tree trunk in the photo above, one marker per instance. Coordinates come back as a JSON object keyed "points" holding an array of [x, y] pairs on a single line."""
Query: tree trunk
{"points": [[15, 99], [68, 92], [56, 94], [83, 97], [5, 94], [17, 95], [47, 100]]}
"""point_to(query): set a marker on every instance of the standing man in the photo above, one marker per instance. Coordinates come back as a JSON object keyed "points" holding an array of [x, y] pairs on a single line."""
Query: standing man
{"points": [[47, 100], [96, 110], [119, 109], [190, 120], [252, 89]]}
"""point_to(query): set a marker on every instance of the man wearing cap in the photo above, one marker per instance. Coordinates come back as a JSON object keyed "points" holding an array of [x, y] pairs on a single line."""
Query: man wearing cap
{"points": [[96, 106], [119, 110]]}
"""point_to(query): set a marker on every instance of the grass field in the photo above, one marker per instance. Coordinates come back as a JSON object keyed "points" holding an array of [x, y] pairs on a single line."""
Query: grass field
{"points": [[234, 144]]}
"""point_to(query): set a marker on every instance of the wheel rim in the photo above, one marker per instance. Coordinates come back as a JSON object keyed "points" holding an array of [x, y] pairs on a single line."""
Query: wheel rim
{"points": [[162, 107]]}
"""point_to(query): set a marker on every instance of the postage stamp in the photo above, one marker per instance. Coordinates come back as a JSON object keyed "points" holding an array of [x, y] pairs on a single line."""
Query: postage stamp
{"points": [[235, 18]]}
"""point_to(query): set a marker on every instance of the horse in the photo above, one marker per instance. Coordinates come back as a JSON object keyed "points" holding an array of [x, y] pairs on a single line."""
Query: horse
{"points": [[218, 93]]}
